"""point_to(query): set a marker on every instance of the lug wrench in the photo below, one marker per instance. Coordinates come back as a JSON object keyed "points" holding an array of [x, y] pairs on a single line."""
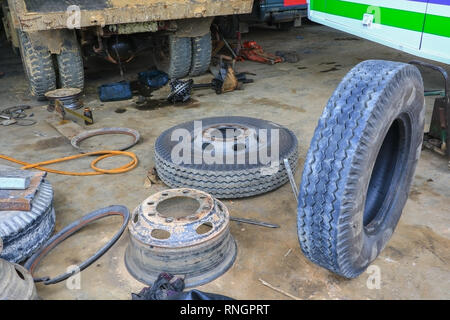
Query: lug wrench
{"points": [[255, 222]]}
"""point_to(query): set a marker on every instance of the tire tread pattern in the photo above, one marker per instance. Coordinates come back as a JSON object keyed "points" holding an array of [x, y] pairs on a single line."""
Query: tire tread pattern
{"points": [[330, 173], [38, 65], [201, 55], [179, 61], [70, 62]]}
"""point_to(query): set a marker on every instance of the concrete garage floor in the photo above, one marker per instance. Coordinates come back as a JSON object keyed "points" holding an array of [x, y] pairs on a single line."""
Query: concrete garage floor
{"points": [[414, 265]]}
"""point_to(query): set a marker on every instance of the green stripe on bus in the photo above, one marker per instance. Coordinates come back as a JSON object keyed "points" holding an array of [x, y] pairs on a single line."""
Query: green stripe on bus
{"points": [[408, 20], [437, 25]]}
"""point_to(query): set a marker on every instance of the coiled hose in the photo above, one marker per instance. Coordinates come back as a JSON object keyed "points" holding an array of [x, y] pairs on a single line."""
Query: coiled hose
{"points": [[97, 171]]}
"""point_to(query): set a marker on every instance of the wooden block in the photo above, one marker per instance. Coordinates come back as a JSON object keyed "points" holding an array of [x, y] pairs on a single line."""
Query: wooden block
{"points": [[67, 128]]}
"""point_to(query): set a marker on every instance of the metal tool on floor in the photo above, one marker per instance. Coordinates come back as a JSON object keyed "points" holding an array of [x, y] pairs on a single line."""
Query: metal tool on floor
{"points": [[229, 48], [16, 115], [255, 222], [215, 84], [291, 178], [437, 138]]}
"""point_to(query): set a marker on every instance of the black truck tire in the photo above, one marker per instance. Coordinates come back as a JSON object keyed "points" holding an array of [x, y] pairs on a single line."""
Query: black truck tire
{"points": [[360, 166], [38, 65], [173, 55], [201, 55], [70, 62], [225, 180]]}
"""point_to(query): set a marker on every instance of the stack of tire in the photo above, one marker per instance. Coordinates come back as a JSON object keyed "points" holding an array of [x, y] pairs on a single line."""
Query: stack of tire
{"points": [[24, 232]]}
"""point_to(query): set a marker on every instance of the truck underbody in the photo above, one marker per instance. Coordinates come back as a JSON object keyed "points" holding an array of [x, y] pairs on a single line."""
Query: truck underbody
{"points": [[37, 15], [55, 36]]}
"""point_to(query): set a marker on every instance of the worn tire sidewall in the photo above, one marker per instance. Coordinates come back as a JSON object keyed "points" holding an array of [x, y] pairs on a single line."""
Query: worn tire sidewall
{"points": [[396, 100]]}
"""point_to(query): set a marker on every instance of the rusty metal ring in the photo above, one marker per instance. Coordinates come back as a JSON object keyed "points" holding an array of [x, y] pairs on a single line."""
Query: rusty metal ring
{"points": [[70, 230], [76, 141]]}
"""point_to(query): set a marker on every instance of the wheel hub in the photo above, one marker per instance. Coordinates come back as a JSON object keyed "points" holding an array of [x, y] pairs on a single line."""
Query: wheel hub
{"points": [[228, 138]]}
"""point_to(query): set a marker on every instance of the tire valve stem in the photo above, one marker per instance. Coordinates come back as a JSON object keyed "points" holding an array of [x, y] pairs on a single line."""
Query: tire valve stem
{"points": [[88, 114]]}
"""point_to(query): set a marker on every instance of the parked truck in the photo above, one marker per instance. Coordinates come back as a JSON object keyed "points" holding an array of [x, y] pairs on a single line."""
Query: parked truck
{"points": [[54, 37], [283, 14]]}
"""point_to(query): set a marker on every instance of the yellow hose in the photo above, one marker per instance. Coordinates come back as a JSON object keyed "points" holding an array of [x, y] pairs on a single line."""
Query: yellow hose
{"points": [[97, 171]]}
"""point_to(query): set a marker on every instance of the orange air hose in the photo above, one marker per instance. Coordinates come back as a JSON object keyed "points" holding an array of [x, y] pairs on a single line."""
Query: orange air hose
{"points": [[97, 171]]}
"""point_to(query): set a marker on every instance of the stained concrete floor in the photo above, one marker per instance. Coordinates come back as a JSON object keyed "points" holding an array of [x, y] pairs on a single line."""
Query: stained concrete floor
{"points": [[414, 265]]}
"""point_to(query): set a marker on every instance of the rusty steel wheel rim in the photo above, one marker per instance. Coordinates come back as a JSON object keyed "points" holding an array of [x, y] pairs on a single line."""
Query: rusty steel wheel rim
{"points": [[69, 97], [183, 232]]}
